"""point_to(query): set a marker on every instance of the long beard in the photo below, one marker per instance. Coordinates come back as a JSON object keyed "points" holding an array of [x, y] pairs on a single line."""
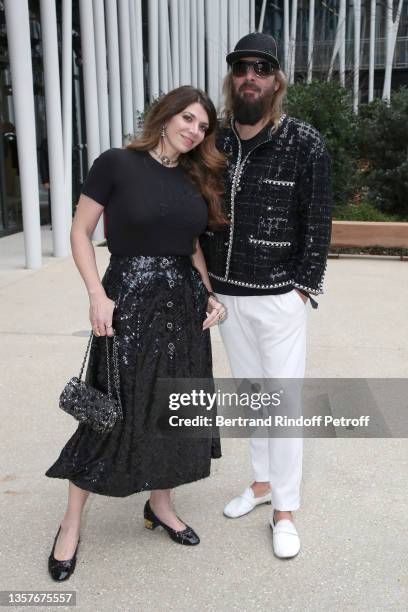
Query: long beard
{"points": [[248, 110]]}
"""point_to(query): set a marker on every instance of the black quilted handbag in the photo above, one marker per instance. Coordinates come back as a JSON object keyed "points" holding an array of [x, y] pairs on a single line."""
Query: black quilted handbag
{"points": [[89, 405]]}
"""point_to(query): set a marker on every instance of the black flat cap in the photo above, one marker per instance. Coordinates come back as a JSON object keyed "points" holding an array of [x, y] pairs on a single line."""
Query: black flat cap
{"points": [[255, 44]]}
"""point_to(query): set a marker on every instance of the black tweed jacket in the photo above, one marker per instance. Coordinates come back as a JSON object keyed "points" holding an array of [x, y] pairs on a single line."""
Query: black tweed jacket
{"points": [[278, 199]]}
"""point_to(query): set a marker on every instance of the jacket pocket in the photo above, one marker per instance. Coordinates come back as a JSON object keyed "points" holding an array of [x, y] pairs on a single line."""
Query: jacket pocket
{"points": [[269, 243], [278, 183]]}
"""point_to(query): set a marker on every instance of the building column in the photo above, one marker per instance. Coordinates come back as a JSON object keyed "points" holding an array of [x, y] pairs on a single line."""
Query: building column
{"points": [[223, 43], [136, 44], [310, 40], [201, 44], [187, 7], [183, 50], [90, 92], [153, 18], [356, 68], [286, 36], [163, 73], [115, 116], [244, 18], [174, 29], [101, 74], [67, 103], [194, 43], [19, 47], [373, 4], [60, 228], [262, 17], [252, 25], [213, 38], [233, 25], [125, 70]]}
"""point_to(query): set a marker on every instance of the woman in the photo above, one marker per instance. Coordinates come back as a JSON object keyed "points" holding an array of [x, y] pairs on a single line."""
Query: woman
{"points": [[159, 194]]}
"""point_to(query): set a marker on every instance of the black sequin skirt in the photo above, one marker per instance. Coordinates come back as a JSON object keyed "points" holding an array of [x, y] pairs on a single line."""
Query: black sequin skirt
{"points": [[160, 308]]}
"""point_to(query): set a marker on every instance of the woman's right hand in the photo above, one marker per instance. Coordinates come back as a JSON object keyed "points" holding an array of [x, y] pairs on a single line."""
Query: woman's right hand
{"points": [[101, 313]]}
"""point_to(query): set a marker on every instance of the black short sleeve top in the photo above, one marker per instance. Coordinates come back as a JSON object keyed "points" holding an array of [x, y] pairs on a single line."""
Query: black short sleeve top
{"points": [[150, 209]]}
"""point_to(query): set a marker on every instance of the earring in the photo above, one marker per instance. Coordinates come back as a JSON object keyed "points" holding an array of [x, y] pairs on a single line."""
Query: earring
{"points": [[163, 131]]}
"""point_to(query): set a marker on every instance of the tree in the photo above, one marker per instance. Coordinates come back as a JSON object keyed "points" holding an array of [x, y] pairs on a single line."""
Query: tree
{"points": [[327, 106], [383, 146]]}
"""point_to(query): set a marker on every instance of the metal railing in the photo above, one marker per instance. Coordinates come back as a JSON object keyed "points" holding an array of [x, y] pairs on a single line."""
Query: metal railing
{"points": [[323, 50]]}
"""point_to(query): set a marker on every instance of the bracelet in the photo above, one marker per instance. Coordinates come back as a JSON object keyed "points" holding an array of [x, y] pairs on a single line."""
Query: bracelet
{"points": [[212, 294]]}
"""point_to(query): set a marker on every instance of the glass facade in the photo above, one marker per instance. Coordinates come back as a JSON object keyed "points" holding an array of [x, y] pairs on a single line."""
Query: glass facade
{"points": [[10, 198], [326, 20]]}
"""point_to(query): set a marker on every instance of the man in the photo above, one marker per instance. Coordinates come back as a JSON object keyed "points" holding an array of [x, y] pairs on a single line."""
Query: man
{"points": [[271, 258]]}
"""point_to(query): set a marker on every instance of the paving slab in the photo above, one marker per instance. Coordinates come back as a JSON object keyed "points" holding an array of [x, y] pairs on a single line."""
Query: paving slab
{"points": [[354, 503]]}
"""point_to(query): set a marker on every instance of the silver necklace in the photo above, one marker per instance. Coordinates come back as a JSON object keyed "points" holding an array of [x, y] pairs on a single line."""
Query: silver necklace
{"points": [[166, 161]]}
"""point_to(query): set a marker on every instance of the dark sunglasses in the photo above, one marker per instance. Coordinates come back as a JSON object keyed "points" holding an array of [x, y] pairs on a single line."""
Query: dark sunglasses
{"points": [[262, 68]]}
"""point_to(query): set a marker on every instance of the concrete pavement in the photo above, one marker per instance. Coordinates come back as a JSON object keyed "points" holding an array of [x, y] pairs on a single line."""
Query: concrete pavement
{"points": [[352, 520]]}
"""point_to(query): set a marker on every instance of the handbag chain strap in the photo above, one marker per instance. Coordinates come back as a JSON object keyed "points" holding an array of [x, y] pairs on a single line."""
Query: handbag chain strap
{"points": [[116, 378]]}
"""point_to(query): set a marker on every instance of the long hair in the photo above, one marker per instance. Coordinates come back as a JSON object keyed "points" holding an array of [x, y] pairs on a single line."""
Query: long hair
{"points": [[204, 164], [276, 109]]}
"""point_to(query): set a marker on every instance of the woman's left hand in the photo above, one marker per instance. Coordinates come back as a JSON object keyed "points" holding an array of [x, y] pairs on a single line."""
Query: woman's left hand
{"points": [[216, 312]]}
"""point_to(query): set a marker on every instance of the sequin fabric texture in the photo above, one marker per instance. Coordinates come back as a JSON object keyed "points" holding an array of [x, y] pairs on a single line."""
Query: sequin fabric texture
{"points": [[278, 200], [160, 308]]}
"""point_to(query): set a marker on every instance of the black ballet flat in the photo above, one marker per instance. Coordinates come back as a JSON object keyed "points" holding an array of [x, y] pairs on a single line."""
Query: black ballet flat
{"points": [[61, 570], [187, 536]]}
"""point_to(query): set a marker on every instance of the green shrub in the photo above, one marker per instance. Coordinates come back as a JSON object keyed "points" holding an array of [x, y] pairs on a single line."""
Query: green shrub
{"points": [[328, 107], [384, 147], [363, 211]]}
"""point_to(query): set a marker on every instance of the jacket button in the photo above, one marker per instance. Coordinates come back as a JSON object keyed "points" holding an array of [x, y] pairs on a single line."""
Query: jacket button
{"points": [[226, 243], [238, 188]]}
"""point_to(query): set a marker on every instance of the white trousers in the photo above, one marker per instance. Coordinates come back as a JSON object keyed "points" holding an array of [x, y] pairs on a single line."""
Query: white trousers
{"points": [[265, 337]]}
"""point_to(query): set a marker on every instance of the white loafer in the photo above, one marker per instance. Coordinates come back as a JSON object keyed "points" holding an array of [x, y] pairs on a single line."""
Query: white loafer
{"points": [[242, 504], [286, 541]]}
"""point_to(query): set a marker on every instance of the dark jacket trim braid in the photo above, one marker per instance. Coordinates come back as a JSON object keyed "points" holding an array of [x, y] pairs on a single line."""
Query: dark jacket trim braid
{"points": [[278, 199]]}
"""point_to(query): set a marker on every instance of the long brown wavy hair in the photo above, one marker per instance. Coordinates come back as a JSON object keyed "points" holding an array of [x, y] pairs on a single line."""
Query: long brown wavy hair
{"points": [[276, 109], [204, 164]]}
